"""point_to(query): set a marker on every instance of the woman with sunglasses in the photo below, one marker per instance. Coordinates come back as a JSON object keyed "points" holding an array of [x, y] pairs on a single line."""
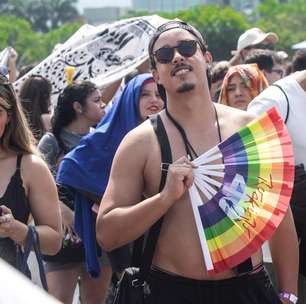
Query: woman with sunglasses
{"points": [[26, 185], [241, 84]]}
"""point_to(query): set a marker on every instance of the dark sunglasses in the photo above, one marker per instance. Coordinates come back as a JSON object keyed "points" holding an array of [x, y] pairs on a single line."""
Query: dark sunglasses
{"points": [[186, 48]]}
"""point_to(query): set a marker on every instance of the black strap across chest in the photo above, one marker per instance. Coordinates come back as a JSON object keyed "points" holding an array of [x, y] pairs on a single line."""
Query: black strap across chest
{"points": [[287, 100], [143, 258], [191, 153]]}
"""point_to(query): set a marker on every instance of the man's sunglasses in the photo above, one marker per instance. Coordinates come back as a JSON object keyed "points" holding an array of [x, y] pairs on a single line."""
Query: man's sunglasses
{"points": [[186, 48]]}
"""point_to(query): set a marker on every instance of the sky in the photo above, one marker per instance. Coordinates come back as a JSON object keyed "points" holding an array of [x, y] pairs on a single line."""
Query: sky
{"points": [[99, 3]]}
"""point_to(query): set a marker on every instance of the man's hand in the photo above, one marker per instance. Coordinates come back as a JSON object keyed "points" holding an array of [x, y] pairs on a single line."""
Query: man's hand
{"points": [[179, 179]]}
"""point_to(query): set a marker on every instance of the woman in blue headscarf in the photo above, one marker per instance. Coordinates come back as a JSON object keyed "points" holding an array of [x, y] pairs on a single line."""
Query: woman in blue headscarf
{"points": [[86, 168]]}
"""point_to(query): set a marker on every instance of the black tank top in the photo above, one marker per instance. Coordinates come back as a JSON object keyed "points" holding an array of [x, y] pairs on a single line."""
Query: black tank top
{"points": [[15, 197]]}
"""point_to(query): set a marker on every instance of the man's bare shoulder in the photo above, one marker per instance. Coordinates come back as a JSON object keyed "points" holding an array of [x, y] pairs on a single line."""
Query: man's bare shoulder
{"points": [[138, 140], [241, 118], [232, 119]]}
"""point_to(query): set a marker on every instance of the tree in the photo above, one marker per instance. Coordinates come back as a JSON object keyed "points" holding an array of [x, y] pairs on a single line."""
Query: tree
{"points": [[32, 47], [285, 19], [44, 15], [221, 27], [17, 33]]}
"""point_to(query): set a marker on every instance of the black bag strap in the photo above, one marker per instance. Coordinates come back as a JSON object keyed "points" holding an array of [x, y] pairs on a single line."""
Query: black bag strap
{"points": [[287, 100], [32, 241], [166, 157]]}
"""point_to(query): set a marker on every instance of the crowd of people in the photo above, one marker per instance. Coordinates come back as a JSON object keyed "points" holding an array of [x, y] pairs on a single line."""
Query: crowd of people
{"points": [[87, 172]]}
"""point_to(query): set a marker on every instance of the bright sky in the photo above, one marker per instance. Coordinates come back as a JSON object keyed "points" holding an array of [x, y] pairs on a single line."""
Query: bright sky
{"points": [[99, 3]]}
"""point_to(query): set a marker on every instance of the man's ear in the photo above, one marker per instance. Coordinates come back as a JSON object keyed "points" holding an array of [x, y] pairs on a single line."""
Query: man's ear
{"points": [[155, 75], [208, 57]]}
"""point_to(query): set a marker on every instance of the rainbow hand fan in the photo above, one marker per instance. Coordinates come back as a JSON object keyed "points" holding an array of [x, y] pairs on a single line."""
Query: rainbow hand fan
{"points": [[247, 195]]}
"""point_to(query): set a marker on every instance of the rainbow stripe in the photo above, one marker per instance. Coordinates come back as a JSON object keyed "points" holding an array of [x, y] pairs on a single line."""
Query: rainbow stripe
{"points": [[258, 181]]}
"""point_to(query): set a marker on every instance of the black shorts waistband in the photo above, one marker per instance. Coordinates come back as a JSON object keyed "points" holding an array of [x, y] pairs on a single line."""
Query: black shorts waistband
{"points": [[160, 274]]}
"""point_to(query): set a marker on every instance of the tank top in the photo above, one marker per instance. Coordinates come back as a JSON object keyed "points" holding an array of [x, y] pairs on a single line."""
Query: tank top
{"points": [[15, 199]]}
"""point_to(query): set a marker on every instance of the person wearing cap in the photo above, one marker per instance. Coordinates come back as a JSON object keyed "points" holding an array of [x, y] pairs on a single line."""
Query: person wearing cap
{"points": [[253, 38], [132, 202]]}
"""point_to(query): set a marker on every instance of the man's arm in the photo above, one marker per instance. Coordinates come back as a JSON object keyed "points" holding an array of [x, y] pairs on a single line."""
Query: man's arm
{"points": [[123, 216], [284, 252]]}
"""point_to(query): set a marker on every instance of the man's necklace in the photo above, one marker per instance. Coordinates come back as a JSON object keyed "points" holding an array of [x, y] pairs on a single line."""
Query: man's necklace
{"points": [[188, 147]]}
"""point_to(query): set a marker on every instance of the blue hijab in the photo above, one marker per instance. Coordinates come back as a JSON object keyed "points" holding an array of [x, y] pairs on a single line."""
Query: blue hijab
{"points": [[87, 166]]}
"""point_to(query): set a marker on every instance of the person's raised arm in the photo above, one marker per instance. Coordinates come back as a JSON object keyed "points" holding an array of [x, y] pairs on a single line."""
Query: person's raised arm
{"points": [[12, 69], [109, 92]]}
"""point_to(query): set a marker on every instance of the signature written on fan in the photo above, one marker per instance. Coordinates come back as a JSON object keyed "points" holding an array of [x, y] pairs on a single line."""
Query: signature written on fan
{"points": [[242, 205], [255, 201]]}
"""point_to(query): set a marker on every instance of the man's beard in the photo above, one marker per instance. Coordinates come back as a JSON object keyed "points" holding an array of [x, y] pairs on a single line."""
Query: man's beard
{"points": [[185, 87]]}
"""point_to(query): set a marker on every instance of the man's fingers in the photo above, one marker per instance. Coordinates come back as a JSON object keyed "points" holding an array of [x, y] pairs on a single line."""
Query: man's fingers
{"points": [[189, 180], [184, 160]]}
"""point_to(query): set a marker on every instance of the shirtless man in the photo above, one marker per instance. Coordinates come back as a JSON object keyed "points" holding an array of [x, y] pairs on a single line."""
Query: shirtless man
{"points": [[124, 216]]}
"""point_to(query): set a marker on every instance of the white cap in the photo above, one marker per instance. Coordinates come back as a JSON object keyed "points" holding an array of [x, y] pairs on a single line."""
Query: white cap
{"points": [[254, 36]]}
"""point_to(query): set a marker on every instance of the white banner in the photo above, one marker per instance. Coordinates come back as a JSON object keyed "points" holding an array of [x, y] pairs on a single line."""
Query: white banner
{"points": [[101, 54], [4, 56]]}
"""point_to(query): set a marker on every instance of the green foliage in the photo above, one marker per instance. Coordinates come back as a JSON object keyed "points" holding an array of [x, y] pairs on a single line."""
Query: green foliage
{"points": [[17, 33], [31, 46], [220, 27], [43, 15], [285, 19], [59, 35]]}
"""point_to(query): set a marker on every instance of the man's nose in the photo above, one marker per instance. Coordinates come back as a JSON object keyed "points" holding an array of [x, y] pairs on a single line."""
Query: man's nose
{"points": [[177, 56]]}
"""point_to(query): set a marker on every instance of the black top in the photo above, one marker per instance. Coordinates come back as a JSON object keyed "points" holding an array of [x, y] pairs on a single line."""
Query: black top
{"points": [[15, 199]]}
